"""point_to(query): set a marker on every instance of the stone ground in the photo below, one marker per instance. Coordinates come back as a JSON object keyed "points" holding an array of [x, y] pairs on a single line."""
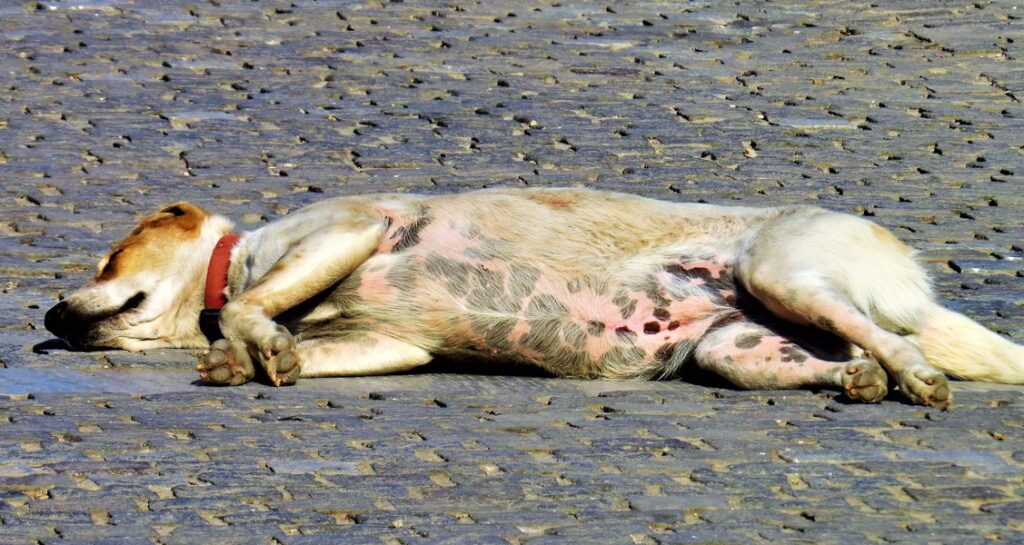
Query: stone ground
{"points": [[908, 112]]}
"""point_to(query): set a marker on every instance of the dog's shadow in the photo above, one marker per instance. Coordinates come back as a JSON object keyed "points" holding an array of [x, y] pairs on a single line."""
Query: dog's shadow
{"points": [[690, 374], [50, 346]]}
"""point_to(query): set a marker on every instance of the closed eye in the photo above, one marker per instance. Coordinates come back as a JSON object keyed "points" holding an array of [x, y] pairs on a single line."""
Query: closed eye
{"points": [[133, 302]]}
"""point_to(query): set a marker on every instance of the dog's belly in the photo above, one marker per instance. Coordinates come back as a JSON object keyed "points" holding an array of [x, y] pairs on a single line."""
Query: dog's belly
{"points": [[497, 308], [578, 296]]}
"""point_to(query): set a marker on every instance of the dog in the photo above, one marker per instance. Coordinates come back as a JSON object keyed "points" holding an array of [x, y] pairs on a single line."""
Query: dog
{"points": [[579, 282]]}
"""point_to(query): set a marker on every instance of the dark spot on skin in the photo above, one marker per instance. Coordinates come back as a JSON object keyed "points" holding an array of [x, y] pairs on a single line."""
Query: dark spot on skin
{"points": [[665, 352], [792, 353], [575, 363], [675, 269], [409, 235], [471, 231], [654, 291], [595, 327], [628, 310], [661, 314], [626, 304], [454, 273], [625, 333], [542, 336], [651, 328], [700, 272], [719, 283], [723, 321], [748, 340], [622, 357], [545, 305], [826, 323], [488, 299], [487, 291], [673, 325], [521, 280], [496, 332], [573, 335], [402, 278]]}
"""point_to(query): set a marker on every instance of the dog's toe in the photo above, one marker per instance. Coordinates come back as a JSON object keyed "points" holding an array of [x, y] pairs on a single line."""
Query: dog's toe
{"points": [[227, 363], [286, 368], [276, 343]]}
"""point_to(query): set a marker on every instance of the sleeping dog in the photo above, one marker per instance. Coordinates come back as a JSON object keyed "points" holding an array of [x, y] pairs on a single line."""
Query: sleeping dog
{"points": [[581, 283]]}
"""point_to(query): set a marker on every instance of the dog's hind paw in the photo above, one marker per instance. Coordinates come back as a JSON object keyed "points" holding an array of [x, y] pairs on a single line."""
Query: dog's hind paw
{"points": [[865, 380], [226, 363], [278, 358], [925, 386]]}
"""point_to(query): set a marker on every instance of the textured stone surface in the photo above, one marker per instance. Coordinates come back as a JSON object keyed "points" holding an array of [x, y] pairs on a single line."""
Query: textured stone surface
{"points": [[906, 112]]}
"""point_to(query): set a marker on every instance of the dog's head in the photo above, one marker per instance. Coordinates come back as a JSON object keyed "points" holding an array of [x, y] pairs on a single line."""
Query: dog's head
{"points": [[148, 290]]}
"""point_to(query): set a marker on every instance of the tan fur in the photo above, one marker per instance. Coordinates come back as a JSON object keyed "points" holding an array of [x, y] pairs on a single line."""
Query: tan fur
{"points": [[145, 247], [165, 257]]}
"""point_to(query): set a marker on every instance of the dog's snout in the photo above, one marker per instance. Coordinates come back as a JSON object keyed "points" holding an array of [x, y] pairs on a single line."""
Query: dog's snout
{"points": [[56, 321]]}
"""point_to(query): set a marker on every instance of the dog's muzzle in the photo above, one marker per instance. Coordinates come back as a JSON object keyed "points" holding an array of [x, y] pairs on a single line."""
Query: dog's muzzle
{"points": [[63, 322], [78, 329]]}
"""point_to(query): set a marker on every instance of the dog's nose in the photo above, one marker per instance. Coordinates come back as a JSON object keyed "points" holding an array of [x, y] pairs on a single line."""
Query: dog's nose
{"points": [[55, 322]]}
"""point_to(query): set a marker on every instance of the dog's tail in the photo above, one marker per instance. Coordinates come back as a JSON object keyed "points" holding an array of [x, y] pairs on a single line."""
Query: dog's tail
{"points": [[964, 349]]}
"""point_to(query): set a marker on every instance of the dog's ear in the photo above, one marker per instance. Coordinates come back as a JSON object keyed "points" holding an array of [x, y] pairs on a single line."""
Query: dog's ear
{"points": [[182, 216], [182, 210]]}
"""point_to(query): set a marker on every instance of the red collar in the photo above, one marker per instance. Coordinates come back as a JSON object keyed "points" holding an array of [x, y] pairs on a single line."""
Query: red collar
{"points": [[217, 272], [216, 283]]}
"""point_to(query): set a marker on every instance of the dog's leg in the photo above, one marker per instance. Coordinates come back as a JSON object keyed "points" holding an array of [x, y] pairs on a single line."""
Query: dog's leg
{"points": [[753, 357], [848, 276], [309, 266], [358, 353]]}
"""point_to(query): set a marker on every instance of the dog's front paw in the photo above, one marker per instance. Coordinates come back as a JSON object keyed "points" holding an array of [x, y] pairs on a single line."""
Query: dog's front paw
{"points": [[925, 386], [278, 358], [226, 363], [865, 380]]}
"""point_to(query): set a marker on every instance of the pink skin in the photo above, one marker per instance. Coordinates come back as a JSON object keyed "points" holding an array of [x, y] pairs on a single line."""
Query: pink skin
{"points": [[374, 285], [680, 320], [688, 319], [444, 239], [774, 362]]}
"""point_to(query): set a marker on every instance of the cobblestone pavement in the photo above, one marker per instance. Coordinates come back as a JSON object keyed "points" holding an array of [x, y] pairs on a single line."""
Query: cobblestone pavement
{"points": [[908, 112]]}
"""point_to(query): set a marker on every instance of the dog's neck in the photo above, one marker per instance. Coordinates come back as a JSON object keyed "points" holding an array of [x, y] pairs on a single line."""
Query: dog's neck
{"points": [[255, 254], [238, 267], [215, 293]]}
